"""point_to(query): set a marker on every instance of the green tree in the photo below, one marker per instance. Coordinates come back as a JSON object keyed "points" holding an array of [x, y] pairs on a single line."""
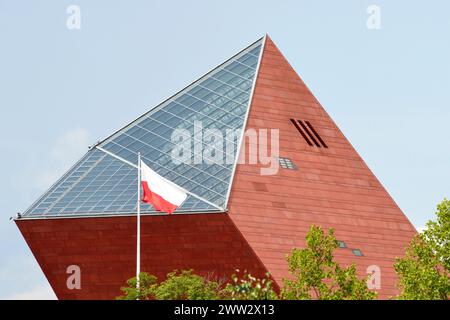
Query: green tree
{"points": [[184, 285], [179, 285], [247, 287], [424, 271], [437, 234], [316, 275], [147, 288]]}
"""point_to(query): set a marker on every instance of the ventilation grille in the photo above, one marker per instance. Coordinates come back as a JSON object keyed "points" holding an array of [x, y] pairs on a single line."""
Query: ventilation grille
{"points": [[308, 133]]}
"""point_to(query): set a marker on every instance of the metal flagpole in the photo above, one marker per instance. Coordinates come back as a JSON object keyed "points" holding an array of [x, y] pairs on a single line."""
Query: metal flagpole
{"points": [[138, 233]]}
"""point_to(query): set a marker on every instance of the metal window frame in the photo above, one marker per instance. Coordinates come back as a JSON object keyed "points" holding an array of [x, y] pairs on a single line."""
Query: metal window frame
{"points": [[344, 245], [74, 184], [361, 254], [287, 161], [103, 215], [247, 50], [250, 100], [173, 98], [176, 95], [57, 182]]}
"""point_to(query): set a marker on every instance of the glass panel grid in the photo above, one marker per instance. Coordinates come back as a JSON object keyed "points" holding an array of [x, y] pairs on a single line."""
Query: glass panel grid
{"points": [[287, 163], [101, 184]]}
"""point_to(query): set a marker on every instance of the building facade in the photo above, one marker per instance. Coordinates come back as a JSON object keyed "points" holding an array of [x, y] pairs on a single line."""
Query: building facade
{"points": [[241, 219]]}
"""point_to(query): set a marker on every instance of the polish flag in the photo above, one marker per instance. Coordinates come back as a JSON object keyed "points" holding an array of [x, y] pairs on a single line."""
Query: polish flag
{"points": [[159, 192]]}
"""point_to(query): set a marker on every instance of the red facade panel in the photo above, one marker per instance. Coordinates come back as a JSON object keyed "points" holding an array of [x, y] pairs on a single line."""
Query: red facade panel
{"points": [[332, 187], [105, 249]]}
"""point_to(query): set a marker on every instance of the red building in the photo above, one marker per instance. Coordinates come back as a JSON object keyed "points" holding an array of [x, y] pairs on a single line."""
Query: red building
{"points": [[241, 219]]}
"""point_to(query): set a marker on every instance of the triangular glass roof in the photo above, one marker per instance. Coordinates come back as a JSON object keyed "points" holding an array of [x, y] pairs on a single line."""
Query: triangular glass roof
{"points": [[101, 184]]}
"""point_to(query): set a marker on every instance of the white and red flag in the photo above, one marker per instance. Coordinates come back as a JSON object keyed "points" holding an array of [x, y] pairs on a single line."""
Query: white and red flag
{"points": [[159, 192]]}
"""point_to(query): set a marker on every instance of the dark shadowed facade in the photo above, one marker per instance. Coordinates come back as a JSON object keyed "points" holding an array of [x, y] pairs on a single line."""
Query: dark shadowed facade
{"points": [[248, 220]]}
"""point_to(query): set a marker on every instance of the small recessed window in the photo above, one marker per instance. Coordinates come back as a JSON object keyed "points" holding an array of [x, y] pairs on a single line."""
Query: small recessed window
{"points": [[342, 244], [287, 163], [357, 252]]}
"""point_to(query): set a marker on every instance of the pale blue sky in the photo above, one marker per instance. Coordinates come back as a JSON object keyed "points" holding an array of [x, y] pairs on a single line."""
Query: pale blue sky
{"points": [[62, 90]]}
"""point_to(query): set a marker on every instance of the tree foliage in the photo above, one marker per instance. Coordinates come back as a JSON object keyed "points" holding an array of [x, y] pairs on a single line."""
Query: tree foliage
{"points": [[424, 271], [184, 285], [147, 288], [179, 285], [247, 287], [437, 234], [316, 275]]}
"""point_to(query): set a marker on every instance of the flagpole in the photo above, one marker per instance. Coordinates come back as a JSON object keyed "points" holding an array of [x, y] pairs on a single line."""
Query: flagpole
{"points": [[138, 233]]}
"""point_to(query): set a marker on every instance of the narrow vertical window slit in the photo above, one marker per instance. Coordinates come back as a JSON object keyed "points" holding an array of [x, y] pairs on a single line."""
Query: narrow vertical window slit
{"points": [[316, 134], [301, 132], [309, 133]]}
